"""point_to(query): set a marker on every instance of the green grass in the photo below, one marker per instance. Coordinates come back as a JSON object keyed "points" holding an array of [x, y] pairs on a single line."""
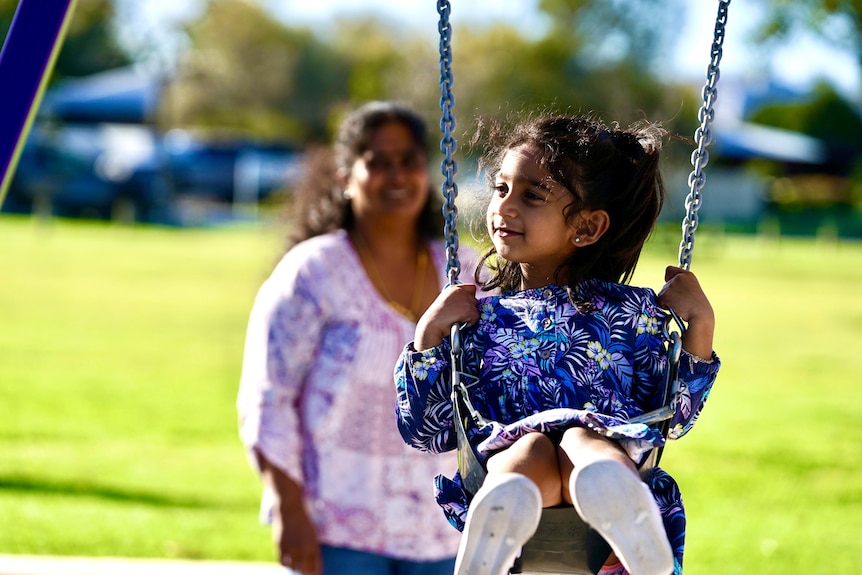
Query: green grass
{"points": [[771, 473], [120, 352], [119, 361]]}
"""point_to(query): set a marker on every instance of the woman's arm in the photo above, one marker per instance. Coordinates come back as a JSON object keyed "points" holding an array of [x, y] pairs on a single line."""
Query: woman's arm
{"points": [[283, 333], [284, 330], [292, 530]]}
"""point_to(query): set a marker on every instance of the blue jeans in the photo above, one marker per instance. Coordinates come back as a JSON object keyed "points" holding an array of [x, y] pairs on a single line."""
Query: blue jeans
{"points": [[341, 561]]}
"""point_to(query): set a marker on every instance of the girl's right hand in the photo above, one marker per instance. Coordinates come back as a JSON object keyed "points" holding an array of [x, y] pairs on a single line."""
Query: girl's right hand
{"points": [[455, 304]]}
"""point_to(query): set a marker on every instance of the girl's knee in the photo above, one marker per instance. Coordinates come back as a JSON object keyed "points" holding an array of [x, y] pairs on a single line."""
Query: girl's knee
{"points": [[536, 446], [527, 451], [583, 446], [534, 456], [580, 435]]}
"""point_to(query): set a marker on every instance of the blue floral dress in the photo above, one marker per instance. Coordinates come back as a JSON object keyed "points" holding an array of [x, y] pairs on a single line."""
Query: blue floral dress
{"points": [[543, 360]]}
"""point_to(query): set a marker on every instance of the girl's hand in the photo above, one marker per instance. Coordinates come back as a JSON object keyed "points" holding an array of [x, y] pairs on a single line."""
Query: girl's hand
{"points": [[455, 304], [682, 293]]}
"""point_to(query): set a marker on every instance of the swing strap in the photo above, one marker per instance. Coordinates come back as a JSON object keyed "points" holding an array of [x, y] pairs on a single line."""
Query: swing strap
{"points": [[465, 416]]}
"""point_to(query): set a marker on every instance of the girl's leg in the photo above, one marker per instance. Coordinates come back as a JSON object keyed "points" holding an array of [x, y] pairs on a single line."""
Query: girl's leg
{"points": [[605, 487], [581, 446], [506, 510], [534, 456]]}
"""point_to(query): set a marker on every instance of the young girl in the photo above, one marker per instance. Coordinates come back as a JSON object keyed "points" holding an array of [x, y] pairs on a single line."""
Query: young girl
{"points": [[566, 355]]}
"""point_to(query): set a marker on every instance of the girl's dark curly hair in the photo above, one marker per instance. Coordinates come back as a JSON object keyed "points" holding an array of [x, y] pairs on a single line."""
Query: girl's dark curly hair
{"points": [[604, 168], [319, 204]]}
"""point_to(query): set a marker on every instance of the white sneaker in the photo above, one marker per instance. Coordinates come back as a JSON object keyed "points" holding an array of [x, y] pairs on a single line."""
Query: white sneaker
{"points": [[617, 504], [503, 516]]}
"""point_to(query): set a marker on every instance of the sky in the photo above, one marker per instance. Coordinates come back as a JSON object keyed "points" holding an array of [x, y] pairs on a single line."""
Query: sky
{"points": [[797, 65]]}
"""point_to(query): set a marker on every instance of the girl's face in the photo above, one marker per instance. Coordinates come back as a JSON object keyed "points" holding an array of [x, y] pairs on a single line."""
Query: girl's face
{"points": [[391, 178], [525, 218]]}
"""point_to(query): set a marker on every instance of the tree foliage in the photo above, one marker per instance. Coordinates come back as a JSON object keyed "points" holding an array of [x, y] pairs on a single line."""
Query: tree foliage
{"points": [[838, 22], [248, 74], [826, 115]]}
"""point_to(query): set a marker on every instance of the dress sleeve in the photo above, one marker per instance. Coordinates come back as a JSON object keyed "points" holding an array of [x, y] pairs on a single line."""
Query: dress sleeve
{"points": [[424, 407], [282, 337], [697, 377], [650, 352]]}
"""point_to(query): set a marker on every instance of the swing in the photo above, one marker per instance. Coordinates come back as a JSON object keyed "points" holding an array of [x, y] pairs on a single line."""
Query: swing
{"points": [[563, 543]]}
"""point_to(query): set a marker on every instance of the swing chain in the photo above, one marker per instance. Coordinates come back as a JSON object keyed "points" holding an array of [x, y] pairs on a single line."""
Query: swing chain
{"points": [[703, 138], [448, 145]]}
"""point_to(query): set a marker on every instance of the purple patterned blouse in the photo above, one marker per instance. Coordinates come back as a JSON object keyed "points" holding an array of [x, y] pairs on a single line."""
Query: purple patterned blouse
{"points": [[317, 399]]}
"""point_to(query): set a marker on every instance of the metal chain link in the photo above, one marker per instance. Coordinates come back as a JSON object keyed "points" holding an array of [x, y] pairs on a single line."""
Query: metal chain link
{"points": [[448, 145], [703, 138]]}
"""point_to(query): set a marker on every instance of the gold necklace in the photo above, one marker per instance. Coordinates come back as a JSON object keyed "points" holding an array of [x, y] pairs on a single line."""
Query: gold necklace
{"points": [[411, 313]]}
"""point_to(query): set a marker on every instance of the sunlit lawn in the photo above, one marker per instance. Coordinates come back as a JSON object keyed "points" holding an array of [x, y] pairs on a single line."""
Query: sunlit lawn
{"points": [[120, 356], [120, 352]]}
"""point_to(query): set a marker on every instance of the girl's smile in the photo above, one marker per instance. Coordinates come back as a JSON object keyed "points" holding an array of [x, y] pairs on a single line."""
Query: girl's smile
{"points": [[504, 232]]}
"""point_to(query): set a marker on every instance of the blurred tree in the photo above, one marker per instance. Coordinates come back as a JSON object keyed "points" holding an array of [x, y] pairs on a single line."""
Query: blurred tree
{"points": [[826, 115], [602, 32], [90, 45], [497, 69], [385, 62], [835, 20], [838, 22], [7, 12], [248, 74]]}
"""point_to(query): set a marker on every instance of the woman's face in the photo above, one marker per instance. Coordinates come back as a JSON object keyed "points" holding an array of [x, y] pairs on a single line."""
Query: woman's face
{"points": [[391, 178]]}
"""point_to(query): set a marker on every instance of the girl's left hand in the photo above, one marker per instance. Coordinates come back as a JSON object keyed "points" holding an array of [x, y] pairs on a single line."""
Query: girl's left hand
{"points": [[682, 293]]}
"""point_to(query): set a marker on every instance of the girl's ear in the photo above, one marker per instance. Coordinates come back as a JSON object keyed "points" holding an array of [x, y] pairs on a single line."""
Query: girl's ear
{"points": [[590, 226]]}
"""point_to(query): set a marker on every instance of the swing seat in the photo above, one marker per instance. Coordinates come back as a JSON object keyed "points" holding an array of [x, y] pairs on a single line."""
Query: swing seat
{"points": [[563, 543]]}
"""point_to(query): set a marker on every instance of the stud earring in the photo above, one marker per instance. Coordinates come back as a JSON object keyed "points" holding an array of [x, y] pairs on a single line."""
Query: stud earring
{"points": [[577, 240]]}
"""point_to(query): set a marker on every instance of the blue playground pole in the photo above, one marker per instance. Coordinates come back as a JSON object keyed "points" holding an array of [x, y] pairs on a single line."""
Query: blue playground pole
{"points": [[26, 61]]}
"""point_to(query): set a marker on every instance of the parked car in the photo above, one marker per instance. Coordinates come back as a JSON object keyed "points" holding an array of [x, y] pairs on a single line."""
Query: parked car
{"points": [[93, 170], [132, 172], [228, 170]]}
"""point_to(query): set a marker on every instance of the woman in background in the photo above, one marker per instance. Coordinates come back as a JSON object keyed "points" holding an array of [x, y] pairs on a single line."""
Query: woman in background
{"points": [[317, 405]]}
